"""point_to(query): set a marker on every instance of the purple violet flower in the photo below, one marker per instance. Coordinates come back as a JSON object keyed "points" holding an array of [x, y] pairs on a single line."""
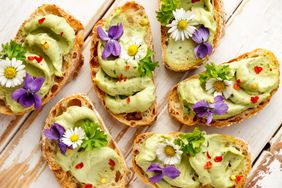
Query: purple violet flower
{"points": [[112, 46], [201, 36], [205, 109], [27, 96], [170, 171], [56, 132]]}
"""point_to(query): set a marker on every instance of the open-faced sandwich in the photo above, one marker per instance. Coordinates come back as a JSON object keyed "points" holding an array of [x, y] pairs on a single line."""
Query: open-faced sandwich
{"points": [[122, 66], [45, 54], [191, 160], [78, 147], [190, 31], [228, 93]]}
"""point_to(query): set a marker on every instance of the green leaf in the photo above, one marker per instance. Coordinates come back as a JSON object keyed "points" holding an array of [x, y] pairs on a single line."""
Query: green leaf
{"points": [[95, 137], [190, 143], [12, 50], [215, 71], [165, 15], [146, 65]]}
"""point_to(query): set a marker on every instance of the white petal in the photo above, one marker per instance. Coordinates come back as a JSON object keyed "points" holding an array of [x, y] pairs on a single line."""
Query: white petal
{"points": [[216, 93], [227, 92], [172, 29]]}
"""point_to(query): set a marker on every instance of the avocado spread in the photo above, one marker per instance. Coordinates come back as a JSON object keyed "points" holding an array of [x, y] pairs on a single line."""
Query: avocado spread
{"points": [[126, 90], [48, 37], [252, 81], [181, 53], [224, 160], [98, 166]]}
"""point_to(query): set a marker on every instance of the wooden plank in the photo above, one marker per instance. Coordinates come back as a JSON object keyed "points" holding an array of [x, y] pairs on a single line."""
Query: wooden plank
{"points": [[13, 13]]}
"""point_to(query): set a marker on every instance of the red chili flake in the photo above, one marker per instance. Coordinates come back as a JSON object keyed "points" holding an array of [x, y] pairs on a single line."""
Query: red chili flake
{"points": [[208, 165], [217, 159], [88, 186], [128, 100], [236, 86], [257, 69], [125, 78], [37, 58], [270, 69], [208, 155], [79, 165], [62, 33], [194, 1], [40, 21], [254, 99], [120, 77], [127, 67], [31, 58], [112, 163], [238, 178], [238, 81]]}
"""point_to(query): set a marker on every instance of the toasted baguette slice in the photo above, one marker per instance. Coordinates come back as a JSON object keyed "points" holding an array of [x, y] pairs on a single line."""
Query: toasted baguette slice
{"points": [[130, 119], [72, 62], [175, 108], [49, 148], [220, 22], [238, 143]]}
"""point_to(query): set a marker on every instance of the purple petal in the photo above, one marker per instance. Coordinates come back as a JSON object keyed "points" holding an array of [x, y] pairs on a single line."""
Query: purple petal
{"points": [[115, 31], [37, 101], [102, 34], [55, 132], [18, 93], [209, 47], [116, 48], [219, 108], [202, 50], [154, 167], [63, 147], [171, 172], [27, 81], [201, 108], [108, 50], [26, 100], [218, 98], [209, 119], [59, 128], [201, 35], [36, 84], [156, 178]]}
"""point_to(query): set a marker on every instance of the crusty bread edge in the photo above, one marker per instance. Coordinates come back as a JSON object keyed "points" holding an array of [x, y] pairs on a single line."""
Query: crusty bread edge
{"points": [[220, 23], [94, 66], [64, 177], [188, 120], [241, 144], [71, 69]]}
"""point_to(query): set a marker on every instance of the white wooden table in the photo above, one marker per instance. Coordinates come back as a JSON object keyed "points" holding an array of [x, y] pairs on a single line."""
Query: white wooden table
{"points": [[249, 24]]}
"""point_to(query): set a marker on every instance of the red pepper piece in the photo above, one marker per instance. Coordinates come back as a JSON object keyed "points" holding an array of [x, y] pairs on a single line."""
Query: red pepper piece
{"points": [[120, 77], [38, 58], [217, 159], [236, 86], [128, 100], [194, 1], [125, 78], [254, 99], [238, 179], [31, 58], [127, 67], [208, 155], [40, 21], [238, 81], [79, 165], [257, 69], [62, 33], [208, 165], [112, 163], [88, 186]]}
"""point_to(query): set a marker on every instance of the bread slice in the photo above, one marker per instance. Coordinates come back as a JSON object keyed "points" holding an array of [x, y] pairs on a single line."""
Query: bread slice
{"points": [[220, 22], [49, 148], [130, 119], [238, 143], [175, 108], [72, 62]]}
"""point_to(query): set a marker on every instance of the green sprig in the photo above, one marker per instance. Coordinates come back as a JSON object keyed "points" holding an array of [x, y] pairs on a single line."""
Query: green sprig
{"points": [[146, 65], [165, 15], [12, 50], [215, 71]]}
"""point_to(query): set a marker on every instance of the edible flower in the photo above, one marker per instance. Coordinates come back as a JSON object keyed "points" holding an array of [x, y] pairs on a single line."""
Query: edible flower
{"points": [[168, 152], [170, 171], [73, 137], [56, 132], [204, 109], [112, 46], [182, 27], [27, 96], [12, 72], [217, 86], [203, 48], [135, 50]]}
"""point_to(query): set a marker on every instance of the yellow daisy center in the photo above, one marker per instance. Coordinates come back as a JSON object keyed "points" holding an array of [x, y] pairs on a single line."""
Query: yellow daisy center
{"points": [[182, 25], [169, 151], [132, 50], [10, 72], [219, 86], [74, 138]]}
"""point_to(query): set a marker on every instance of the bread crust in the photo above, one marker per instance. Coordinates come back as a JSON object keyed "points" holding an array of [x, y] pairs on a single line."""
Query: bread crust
{"points": [[220, 23], [238, 143], [130, 119], [72, 62], [175, 108], [49, 148]]}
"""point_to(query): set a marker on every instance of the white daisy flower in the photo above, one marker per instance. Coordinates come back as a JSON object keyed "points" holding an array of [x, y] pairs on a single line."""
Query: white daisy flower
{"points": [[183, 25], [12, 72], [169, 153], [73, 137], [134, 51], [217, 86]]}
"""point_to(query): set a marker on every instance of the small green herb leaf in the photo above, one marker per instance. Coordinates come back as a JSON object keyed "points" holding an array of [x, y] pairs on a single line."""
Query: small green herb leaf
{"points": [[95, 137], [165, 15], [190, 143], [146, 65], [12, 50], [215, 71]]}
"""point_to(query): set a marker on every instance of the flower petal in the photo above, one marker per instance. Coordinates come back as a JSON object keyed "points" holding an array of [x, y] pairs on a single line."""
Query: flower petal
{"points": [[26, 100], [63, 147], [102, 34], [219, 108], [200, 51], [154, 167], [156, 178], [28, 80], [219, 98], [209, 47], [209, 119], [201, 108], [37, 101], [18, 93], [36, 84], [116, 48], [108, 50], [201, 35], [116, 31], [171, 172]]}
